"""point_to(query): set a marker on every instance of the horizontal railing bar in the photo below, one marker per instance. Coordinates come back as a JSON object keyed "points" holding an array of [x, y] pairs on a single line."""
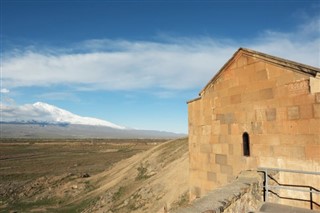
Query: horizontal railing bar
{"points": [[288, 170], [290, 188]]}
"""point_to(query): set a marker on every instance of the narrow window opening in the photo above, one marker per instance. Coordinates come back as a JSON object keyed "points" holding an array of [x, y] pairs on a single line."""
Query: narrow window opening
{"points": [[246, 144]]}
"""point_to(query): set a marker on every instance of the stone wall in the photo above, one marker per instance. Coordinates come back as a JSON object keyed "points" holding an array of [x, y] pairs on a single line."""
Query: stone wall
{"points": [[242, 196], [278, 108]]}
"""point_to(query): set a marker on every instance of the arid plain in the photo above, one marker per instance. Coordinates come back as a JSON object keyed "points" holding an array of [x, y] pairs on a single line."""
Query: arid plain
{"points": [[106, 175]]}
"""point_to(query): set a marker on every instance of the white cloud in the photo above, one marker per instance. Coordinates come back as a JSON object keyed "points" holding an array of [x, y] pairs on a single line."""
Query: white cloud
{"points": [[24, 112], [58, 96], [141, 65], [175, 64], [4, 90]]}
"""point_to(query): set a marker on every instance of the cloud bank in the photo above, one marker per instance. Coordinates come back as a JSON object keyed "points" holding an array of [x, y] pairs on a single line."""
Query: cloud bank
{"points": [[4, 90], [173, 64], [23, 113]]}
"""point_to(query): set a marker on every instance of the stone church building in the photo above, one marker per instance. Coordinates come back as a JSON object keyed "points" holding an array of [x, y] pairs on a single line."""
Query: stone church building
{"points": [[257, 111]]}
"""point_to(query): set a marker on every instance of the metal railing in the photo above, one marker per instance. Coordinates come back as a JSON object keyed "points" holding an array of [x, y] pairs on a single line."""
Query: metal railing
{"points": [[302, 188]]}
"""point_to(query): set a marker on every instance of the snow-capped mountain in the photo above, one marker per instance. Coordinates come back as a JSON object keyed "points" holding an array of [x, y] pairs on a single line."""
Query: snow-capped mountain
{"points": [[46, 113], [42, 120]]}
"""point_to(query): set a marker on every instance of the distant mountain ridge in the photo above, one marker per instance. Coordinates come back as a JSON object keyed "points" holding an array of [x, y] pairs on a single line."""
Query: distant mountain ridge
{"points": [[44, 130], [42, 120], [34, 122], [59, 115]]}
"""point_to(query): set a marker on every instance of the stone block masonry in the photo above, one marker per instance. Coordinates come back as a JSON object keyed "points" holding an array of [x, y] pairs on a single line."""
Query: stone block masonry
{"points": [[274, 101], [242, 196]]}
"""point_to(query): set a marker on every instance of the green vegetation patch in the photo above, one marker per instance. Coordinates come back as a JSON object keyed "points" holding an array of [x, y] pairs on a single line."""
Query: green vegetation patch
{"points": [[142, 172], [24, 206], [182, 201], [118, 194]]}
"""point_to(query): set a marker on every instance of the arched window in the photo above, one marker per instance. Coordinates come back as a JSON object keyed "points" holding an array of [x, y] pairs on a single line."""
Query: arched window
{"points": [[246, 144]]}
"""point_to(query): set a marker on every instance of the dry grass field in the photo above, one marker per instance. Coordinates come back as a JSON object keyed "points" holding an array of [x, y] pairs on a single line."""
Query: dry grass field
{"points": [[37, 172], [91, 175]]}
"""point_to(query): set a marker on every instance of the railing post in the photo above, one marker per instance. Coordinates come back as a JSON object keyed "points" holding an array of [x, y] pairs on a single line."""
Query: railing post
{"points": [[266, 185], [311, 201]]}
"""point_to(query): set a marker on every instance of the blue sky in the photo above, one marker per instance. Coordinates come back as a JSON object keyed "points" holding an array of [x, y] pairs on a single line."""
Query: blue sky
{"points": [[136, 63]]}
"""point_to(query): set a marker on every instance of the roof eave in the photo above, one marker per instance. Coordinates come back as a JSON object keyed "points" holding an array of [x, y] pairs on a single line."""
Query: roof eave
{"points": [[192, 100], [220, 71]]}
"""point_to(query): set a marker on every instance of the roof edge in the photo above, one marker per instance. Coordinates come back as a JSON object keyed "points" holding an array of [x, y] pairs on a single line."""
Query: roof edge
{"points": [[285, 62], [295, 66], [220, 71], [192, 100]]}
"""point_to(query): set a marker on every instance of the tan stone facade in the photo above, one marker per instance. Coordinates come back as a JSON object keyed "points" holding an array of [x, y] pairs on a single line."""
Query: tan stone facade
{"points": [[275, 101]]}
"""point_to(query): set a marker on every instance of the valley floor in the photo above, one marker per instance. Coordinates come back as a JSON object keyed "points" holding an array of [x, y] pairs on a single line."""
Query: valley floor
{"points": [[93, 176]]}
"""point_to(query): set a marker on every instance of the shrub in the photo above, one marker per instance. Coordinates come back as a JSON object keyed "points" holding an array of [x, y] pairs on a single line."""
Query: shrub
{"points": [[142, 172]]}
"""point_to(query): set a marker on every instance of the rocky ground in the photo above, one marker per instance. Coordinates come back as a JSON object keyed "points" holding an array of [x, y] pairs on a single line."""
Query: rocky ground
{"points": [[154, 180]]}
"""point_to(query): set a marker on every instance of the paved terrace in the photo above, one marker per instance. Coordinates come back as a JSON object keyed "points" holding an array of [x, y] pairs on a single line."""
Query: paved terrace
{"points": [[275, 208]]}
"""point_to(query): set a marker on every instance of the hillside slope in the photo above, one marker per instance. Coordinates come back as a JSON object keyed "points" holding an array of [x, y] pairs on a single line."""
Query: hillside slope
{"points": [[147, 182]]}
